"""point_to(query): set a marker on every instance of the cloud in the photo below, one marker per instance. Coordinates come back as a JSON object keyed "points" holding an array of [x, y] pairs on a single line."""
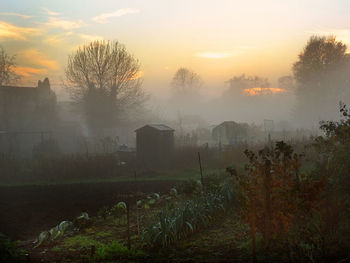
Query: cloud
{"points": [[54, 40], [90, 37], [8, 30], [37, 58], [57, 40], [103, 18], [15, 14], [29, 71], [49, 12], [63, 23]]}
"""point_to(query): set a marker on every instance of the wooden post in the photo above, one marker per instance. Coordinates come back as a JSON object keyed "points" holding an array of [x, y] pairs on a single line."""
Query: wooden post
{"points": [[137, 208], [128, 220], [267, 213], [200, 168], [252, 230]]}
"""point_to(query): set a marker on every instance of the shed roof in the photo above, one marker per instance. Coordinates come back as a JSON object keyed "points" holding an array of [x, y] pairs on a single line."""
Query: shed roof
{"points": [[159, 127], [226, 123]]}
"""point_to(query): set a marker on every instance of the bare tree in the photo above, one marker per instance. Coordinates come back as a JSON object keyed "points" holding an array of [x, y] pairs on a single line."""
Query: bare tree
{"points": [[7, 68], [104, 78], [186, 82]]}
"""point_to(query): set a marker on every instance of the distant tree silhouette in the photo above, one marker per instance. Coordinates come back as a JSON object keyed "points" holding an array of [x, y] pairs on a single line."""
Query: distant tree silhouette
{"points": [[238, 85], [103, 77], [185, 82], [7, 68], [322, 75], [185, 88], [287, 83]]}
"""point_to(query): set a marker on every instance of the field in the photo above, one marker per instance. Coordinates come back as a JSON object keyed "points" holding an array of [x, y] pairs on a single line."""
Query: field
{"points": [[271, 205], [49, 205]]}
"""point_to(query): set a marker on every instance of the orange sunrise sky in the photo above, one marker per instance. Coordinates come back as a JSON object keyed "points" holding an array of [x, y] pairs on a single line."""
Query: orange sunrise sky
{"points": [[216, 39]]}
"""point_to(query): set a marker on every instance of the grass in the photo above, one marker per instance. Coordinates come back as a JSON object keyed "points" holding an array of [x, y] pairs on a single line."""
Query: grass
{"points": [[81, 241], [78, 246], [104, 234], [56, 249], [174, 175]]}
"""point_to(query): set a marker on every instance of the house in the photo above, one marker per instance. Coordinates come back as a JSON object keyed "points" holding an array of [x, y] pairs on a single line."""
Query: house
{"points": [[230, 132], [27, 108], [154, 145], [27, 116]]}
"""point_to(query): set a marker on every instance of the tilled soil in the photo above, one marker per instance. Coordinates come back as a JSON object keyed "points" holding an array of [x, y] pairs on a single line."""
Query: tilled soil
{"points": [[25, 211]]}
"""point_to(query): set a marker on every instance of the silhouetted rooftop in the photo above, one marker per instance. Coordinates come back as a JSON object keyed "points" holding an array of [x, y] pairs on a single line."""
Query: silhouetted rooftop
{"points": [[160, 127]]}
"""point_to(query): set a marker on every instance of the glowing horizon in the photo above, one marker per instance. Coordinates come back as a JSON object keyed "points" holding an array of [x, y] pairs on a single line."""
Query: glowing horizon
{"points": [[217, 41], [262, 91]]}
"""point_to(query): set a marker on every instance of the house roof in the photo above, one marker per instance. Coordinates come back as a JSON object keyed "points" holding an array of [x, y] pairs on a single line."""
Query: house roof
{"points": [[159, 127]]}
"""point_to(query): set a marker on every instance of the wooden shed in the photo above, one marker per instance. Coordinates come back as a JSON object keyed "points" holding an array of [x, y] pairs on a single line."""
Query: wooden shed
{"points": [[154, 144], [230, 132]]}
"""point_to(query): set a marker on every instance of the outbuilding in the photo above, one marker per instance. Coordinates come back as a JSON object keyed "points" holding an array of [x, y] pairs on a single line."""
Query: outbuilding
{"points": [[230, 133], [154, 145]]}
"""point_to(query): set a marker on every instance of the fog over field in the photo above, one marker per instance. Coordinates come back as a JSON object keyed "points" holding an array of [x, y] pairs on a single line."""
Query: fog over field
{"points": [[172, 38], [174, 131]]}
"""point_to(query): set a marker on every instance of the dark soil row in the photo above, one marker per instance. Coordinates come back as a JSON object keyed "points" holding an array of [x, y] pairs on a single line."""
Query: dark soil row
{"points": [[27, 210]]}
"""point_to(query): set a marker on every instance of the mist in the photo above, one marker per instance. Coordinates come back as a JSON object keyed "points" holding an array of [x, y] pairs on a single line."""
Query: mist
{"points": [[188, 131]]}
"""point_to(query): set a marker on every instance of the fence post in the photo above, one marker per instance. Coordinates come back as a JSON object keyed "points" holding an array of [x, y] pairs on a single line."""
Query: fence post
{"points": [[128, 220], [200, 167]]}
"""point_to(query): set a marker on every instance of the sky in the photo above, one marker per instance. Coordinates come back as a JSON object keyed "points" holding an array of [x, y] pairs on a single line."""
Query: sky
{"points": [[217, 39]]}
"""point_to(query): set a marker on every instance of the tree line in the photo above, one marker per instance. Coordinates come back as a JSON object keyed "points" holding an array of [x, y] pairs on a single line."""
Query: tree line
{"points": [[103, 79]]}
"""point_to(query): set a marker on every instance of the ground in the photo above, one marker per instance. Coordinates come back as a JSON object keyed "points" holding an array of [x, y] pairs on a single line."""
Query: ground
{"points": [[25, 211], [215, 244]]}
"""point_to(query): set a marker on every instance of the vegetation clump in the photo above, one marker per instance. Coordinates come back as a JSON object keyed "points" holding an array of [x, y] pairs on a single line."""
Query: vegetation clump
{"points": [[176, 221]]}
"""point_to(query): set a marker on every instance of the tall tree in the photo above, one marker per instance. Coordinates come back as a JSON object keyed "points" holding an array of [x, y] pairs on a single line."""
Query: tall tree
{"points": [[322, 75], [105, 79], [7, 68]]}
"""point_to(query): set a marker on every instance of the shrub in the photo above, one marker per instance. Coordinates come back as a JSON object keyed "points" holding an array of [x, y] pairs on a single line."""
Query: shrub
{"points": [[274, 196]]}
